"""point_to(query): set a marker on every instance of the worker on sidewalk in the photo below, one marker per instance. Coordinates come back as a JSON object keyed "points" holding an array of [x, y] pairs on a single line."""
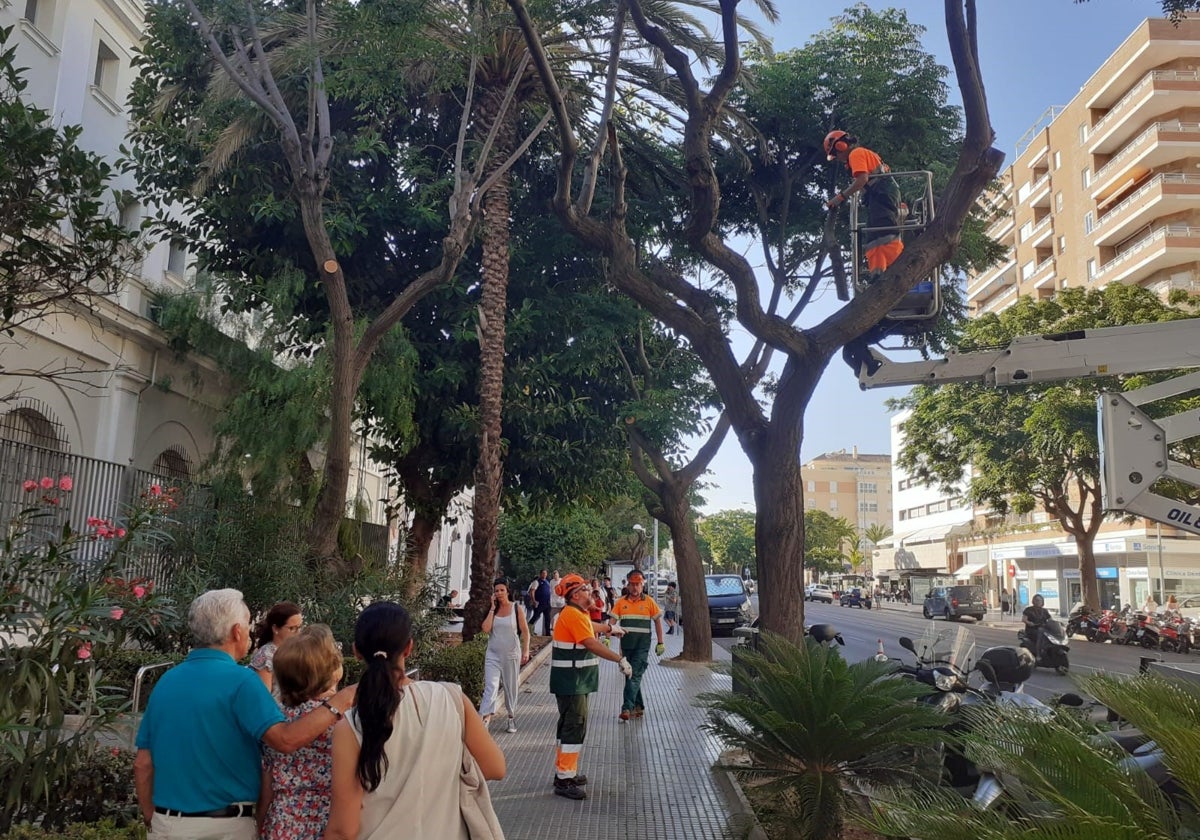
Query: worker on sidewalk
{"points": [[636, 612], [881, 196], [574, 674]]}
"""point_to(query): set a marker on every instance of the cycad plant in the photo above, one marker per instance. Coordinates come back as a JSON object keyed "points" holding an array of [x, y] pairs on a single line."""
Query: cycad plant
{"points": [[818, 730], [1062, 780]]}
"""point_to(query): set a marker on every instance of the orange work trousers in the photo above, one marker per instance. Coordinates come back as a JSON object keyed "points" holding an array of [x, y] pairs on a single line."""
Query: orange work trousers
{"points": [[881, 256]]}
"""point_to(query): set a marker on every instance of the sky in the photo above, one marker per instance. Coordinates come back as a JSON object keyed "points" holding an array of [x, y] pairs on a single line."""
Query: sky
{"points": [[1035, 54]]}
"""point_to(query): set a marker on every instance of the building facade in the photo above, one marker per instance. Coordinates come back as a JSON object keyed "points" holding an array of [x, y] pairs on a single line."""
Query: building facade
{"points": [[852, 485], [128, 408], [1105, 189]]}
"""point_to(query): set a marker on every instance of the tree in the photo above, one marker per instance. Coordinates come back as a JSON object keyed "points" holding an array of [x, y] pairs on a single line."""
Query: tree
{"points": [[1020, 448], [305, 171], [63, 250], [771, 439], [731, 535], [827, 539], [570, 540]]}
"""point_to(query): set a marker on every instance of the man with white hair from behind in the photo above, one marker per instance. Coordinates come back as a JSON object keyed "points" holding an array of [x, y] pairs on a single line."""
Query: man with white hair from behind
{"points": [[198, 769]]}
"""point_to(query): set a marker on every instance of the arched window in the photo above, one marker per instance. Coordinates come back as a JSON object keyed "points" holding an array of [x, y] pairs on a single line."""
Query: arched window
{"points": [[33, 423], [173, 463]]}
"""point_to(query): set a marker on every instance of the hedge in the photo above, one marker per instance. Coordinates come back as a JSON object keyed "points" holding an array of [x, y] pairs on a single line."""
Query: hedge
{"points": [[462, 664], [104, 830]]}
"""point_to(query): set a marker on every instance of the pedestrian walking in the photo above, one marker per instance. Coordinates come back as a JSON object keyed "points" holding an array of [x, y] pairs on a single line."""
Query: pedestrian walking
{"points": [[557, 602], [638, 614], [541, 598], [198, 769], [294, 803], [507, 651], [574, 674], [397, 758], [281, 622], [1005, 602], [671, 607]]}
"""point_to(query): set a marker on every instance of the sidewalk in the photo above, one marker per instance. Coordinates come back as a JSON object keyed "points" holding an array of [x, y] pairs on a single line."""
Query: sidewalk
{"points": [[648, 779]]}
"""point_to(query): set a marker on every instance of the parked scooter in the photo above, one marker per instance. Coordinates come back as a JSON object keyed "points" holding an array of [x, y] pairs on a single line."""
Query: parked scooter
{"points": [[1051, 647], [1081, 620]]}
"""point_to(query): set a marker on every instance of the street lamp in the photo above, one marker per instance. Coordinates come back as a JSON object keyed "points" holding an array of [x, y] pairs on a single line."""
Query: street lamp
{"points": [[637, 547]]}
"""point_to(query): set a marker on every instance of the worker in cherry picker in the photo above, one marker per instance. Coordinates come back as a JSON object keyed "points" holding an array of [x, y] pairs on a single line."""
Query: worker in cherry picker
{"points": [[881, 197]]}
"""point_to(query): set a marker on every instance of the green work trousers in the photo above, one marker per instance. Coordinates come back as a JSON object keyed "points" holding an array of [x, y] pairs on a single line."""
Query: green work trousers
{"points": [[572, 718], [638, 658]]}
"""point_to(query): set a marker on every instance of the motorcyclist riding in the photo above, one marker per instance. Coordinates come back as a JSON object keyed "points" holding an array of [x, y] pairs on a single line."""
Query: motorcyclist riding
{"points": [[1034, 616]]}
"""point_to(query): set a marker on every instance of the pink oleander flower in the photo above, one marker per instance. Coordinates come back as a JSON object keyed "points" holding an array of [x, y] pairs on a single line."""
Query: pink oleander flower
{"points": [[85, 651], [116, 613], [155, 490], [29, 485], [95, 522], [139, 592], [47, 482], [120, 534], [66, 483]]}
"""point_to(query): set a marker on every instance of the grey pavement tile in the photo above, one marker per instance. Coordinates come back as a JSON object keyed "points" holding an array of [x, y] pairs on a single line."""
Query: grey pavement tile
{"points": [[648, 779]]}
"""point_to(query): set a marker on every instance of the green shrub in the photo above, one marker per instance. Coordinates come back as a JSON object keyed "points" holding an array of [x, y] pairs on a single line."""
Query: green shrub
{"points": [[97, 785], [462, 664], [104, 830], [119, 669]]}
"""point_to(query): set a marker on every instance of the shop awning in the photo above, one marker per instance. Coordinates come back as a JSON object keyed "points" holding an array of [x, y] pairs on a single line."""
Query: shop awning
{"points": [[970, 570]]}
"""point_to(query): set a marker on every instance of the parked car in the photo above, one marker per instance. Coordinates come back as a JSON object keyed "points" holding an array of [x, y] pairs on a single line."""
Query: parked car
{"points": [[729, 605], [953, 602], [819, 592], [856, 597]]}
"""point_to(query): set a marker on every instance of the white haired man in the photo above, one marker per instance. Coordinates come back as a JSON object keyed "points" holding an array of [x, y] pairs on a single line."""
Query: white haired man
{"points": [[198, 769]]}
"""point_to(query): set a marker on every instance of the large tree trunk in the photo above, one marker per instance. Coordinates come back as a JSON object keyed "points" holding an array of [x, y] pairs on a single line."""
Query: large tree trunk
{"points": [[697, 632], [489, 473], [420, 537]]}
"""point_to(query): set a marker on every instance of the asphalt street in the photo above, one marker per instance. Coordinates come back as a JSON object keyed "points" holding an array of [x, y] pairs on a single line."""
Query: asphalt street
{"points": [[862, 630]]}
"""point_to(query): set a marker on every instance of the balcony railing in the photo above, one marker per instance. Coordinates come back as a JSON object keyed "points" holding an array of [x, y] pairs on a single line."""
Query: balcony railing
{"points": [[1137, 195], [1134, 248], [1138, 141], [1139, 88]]}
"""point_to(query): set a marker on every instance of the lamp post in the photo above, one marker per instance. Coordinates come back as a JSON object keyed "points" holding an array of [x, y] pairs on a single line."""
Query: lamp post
{"points": [[1162, 577], [637, 548]]}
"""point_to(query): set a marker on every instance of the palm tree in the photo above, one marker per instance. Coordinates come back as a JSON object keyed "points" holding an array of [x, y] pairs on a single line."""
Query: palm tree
{"points": [[1061, 783], [816, 728]]}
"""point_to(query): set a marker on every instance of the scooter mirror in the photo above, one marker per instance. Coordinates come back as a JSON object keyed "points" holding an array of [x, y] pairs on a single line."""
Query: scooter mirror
{"points": [[1070, 699], [907, 644], [989, 673]]}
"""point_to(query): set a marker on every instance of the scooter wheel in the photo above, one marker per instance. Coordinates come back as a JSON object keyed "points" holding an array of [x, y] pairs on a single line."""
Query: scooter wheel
{"points": [[1091, 634], [1061, 670]]}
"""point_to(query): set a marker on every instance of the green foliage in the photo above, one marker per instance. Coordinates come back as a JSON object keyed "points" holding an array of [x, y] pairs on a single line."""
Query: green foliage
{"points": [[119, 669], [827, 539], [104, 830], [462, 664], [61, 242], [1061, 782], [570, 540], [63, 605], [816, 728], [730, 535]]}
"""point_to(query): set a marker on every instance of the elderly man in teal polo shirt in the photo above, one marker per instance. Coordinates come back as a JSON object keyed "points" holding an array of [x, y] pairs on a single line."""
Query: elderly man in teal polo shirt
{"points": [[198, 768]]}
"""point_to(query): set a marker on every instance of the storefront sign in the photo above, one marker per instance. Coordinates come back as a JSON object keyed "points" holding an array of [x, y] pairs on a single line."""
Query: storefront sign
{"points": [[1107, 573], [1137, 572], [1109, 546]]}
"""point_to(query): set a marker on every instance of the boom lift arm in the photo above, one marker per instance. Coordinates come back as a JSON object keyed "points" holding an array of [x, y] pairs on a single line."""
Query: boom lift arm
{"points": [[1133, 446]]}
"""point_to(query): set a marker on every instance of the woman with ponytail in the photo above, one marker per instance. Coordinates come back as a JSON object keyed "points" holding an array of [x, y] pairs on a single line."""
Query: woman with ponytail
{"points": [[398, 754]]}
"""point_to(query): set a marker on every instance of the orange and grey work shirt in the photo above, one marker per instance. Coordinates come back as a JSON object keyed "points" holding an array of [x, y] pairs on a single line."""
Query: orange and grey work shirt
{"points": [[636, 617], [881, 196], [573, 668]]}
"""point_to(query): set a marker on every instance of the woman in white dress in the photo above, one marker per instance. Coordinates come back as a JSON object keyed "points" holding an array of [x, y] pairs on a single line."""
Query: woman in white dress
{"points": [[398, 754], [507, 651]]}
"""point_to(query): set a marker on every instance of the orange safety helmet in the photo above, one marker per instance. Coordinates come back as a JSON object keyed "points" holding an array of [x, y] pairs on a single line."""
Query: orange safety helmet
{"points": [[634, 575], [569, 584], [833, 138]]}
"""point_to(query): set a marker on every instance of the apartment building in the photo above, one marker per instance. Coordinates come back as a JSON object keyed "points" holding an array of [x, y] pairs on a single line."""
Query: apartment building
{"points": [[1105, 189], [852, 485], [132, 411]]}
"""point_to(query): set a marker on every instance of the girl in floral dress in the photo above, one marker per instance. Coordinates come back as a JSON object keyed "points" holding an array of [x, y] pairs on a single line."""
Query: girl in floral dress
{"points": [[294, 804]]}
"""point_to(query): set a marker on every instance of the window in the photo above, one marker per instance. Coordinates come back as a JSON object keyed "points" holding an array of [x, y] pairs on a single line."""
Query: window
{"points": [[903, 515], [1089, 223], [1026, 229], [812, 487], [177, 258], [1057, 159], [1086, 176], [1062, 244], [868, 507], [868, 487], [1058, 201], [833, 487], [1083, 132], [812, 503], [1027, 269], [105, 78], [131, 215], [833, 504], [1091, 269]]}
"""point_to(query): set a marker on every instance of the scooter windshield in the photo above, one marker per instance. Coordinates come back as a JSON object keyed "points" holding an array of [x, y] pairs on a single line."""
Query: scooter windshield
{"points": [[946, 645]]}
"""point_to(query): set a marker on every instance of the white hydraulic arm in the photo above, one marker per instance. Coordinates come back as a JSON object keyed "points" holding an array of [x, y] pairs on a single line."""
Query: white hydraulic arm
{"points": [[1134, 447]]}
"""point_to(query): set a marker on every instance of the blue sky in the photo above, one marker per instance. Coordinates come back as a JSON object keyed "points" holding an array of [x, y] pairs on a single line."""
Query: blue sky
{"points": [[1035, 54]]}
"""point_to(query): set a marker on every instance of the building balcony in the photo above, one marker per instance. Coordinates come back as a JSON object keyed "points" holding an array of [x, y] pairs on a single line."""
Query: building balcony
{"points": [[1158, 93], [989, 281], [1158, 42], [1043, 273], [1163, 195], [1001, 229], [1160, 144], [1162, 248], [1039, 192], [1040, 232]]}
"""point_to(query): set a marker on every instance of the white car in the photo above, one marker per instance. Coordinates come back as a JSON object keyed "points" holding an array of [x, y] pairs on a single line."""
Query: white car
{"points": [[818, 592]]}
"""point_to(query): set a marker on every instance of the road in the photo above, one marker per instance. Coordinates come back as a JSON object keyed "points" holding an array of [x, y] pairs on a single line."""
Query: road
{"points": [[862, 630]]}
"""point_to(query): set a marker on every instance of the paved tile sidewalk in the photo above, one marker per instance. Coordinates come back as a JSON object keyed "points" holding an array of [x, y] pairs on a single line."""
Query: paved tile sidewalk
{"points": [[648, 779]]}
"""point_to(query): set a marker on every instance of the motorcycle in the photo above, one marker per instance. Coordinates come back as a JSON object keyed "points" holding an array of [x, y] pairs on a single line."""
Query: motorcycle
{"points": [[1081, 620], [1174, 633], [1051, 648]]}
